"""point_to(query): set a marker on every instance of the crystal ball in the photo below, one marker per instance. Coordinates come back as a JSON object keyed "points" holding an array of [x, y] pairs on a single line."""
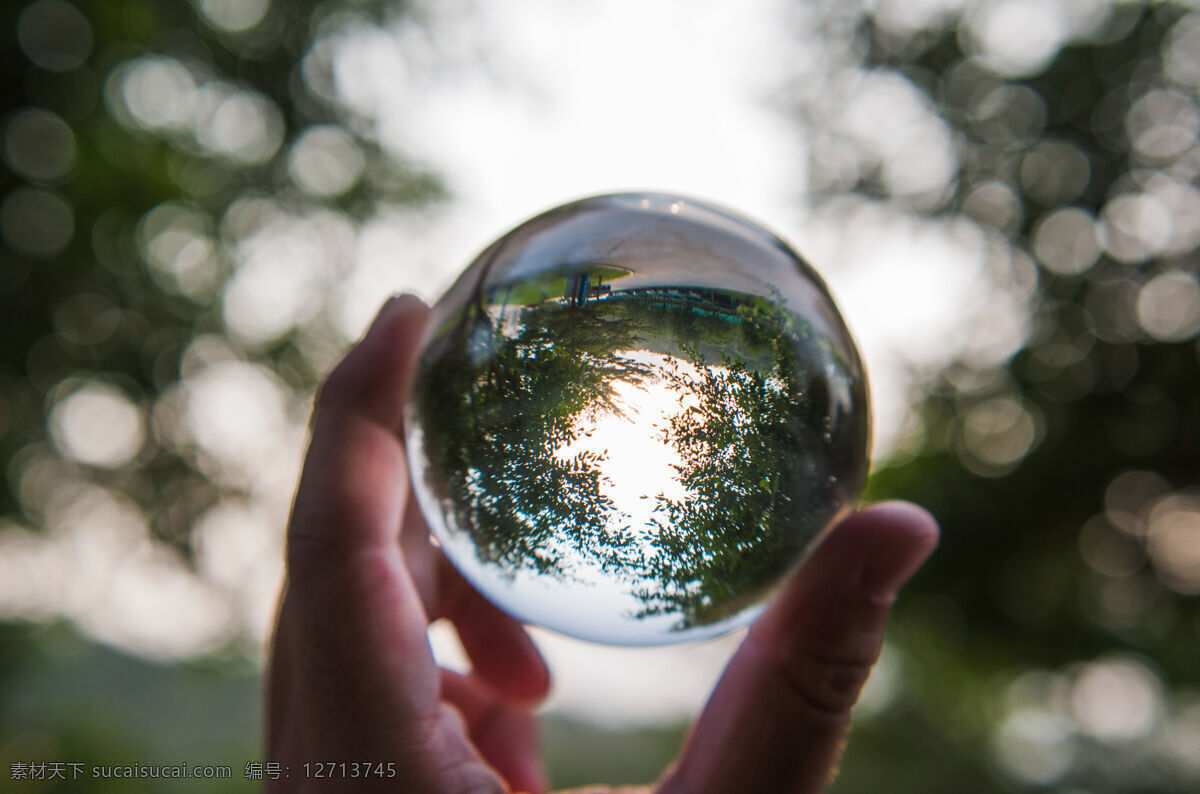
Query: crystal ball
{"points": [[633, 416]]}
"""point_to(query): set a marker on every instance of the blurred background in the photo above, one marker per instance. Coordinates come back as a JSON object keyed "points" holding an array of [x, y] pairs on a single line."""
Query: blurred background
{"points": [[203, 203]]}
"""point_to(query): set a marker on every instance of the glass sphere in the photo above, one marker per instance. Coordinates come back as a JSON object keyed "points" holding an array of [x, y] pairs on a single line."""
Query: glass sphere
{"points": [[633, 416]]}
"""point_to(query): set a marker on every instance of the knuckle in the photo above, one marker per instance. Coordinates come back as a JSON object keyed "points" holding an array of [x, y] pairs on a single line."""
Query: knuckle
{"points": [[828, 680], [315, 543]]}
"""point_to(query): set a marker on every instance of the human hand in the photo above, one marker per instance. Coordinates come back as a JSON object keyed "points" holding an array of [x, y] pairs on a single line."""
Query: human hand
{"points": [[352, 677]]}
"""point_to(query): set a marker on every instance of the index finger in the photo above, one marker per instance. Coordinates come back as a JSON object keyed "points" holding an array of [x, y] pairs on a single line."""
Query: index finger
{"points": [[500, 650], [352, 635], [777, 717]]}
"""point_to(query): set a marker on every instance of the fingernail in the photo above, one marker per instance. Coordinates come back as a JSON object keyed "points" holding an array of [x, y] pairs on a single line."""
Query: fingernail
{"points": [[405, 300], [395, 305]]}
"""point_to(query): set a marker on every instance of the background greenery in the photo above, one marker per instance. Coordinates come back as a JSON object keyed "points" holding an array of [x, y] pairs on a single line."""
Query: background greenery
{"points": [[1052, 643]]}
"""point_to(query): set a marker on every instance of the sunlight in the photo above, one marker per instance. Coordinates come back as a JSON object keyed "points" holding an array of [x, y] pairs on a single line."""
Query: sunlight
{"points": [[639, 464]]}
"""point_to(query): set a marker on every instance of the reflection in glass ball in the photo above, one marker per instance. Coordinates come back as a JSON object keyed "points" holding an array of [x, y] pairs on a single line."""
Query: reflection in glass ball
{"points": [[632, 416]]}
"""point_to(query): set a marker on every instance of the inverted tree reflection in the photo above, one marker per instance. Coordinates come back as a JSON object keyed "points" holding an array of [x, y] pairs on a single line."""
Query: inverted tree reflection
{"points": [[512, 389]]}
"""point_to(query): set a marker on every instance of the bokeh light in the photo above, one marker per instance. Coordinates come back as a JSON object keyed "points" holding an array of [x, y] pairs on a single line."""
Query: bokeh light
{"points": [[325, 161], [36, 222], [233, 16], [996, 434], [1034, 745], [39, 146], [241, 125], [1116, 699], [1173, 541], [177, 242], [156, 91], [98, 424], [1068, 241], [54, 34], [1017, 37], [284, 263], [1168, 306]]}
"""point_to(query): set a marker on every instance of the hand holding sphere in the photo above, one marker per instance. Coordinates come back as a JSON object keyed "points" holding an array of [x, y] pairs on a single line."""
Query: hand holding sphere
{"points": [[351, 676]]}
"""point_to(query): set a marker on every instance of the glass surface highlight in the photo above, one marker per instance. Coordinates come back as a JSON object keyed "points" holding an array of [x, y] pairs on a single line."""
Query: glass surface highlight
{"points": [[633, 416]]}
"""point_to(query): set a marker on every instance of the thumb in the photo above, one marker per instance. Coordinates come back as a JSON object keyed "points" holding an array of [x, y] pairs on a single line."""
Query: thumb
{"points": [[776, 719]]}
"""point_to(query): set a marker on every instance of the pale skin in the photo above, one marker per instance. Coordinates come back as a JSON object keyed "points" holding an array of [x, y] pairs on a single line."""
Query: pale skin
{"points": [[352, 677]]}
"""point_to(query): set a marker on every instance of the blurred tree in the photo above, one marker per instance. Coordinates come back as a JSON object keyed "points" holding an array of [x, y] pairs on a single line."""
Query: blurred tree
{"points": [[137, 135], [1055, 637], [156, 158], [180, 183]]}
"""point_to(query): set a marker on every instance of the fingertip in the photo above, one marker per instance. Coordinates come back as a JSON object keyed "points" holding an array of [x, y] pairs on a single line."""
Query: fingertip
{"points": [[504, 733], [402, 305], [500, 649], [400, 320], [372, 378], [901, 516], [865, 560], [509, 660], [407, 299], [903, 535]]}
